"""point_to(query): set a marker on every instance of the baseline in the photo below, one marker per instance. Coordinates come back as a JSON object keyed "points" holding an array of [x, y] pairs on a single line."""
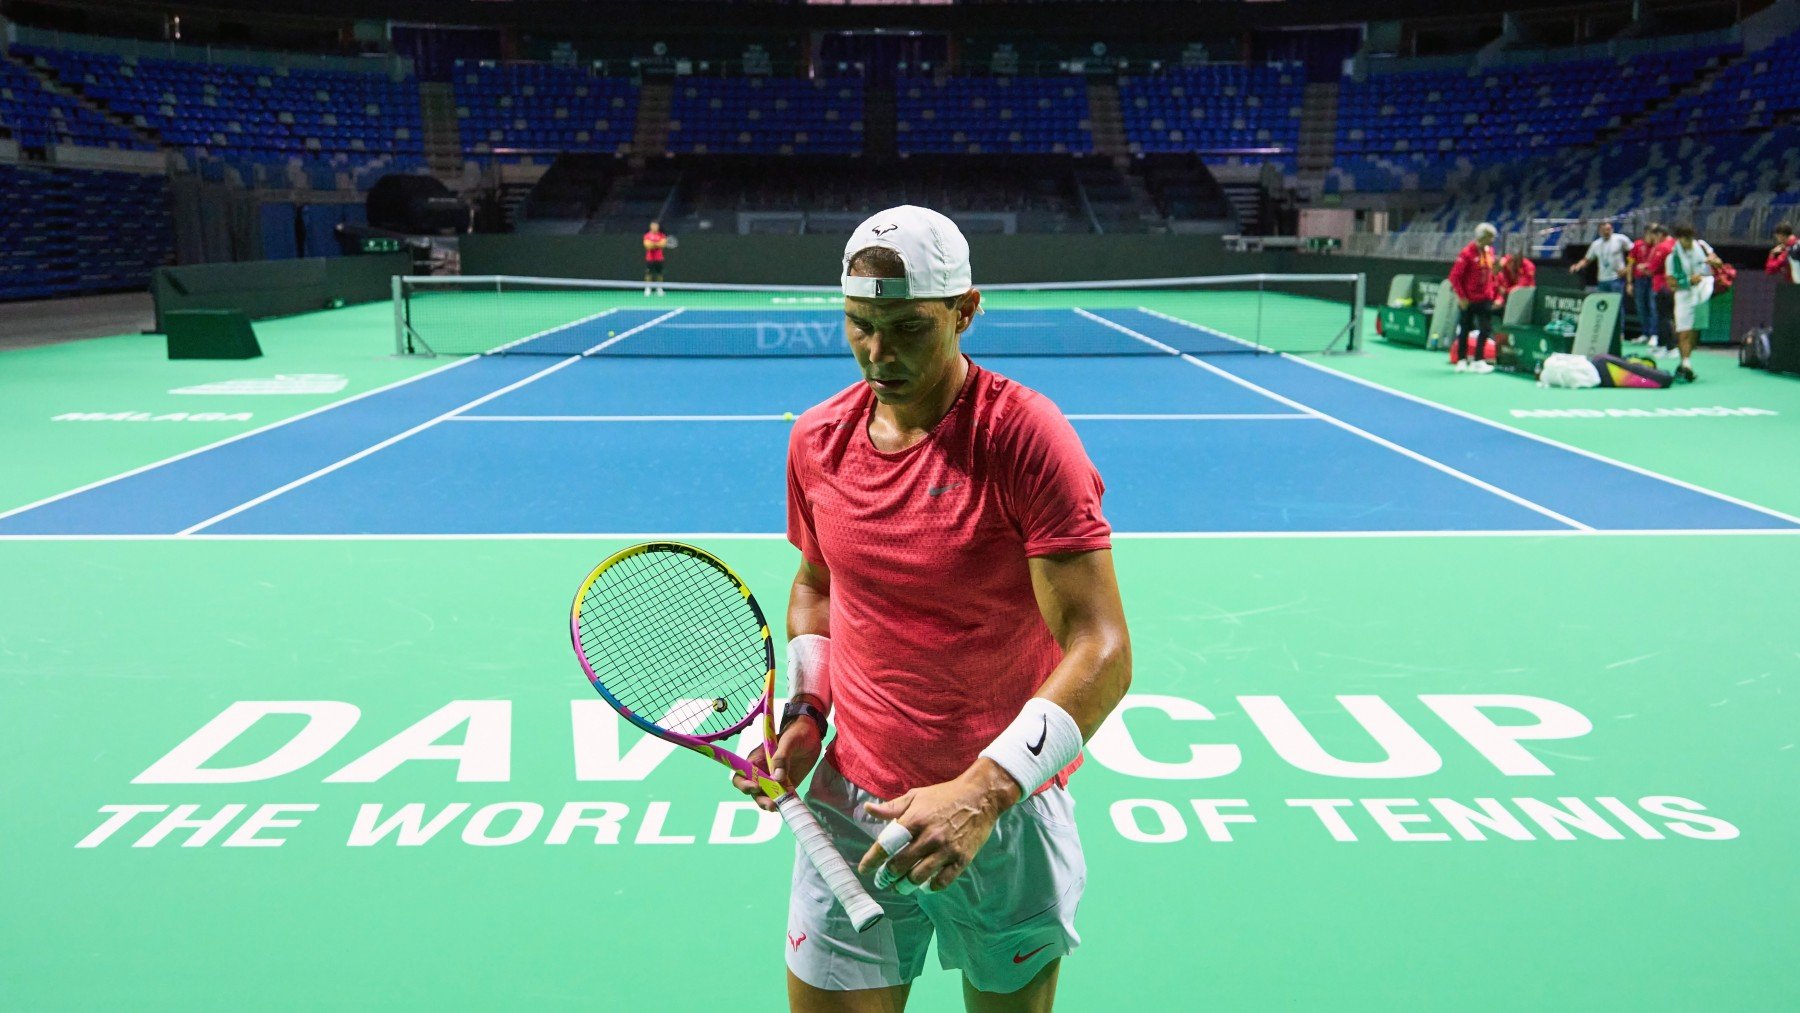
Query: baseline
{"points": [[1597, 489], [1407, 452], [169, 495]]}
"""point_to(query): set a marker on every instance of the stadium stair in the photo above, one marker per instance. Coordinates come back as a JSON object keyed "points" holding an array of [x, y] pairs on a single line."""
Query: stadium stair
{"points": [[1700, 83], [879, 117], [1318, 132], [652, 137], [1116, 200], [1246, 200], [1106, 122], [46, 75], [514, 195], [443, 140], [637, 199]]}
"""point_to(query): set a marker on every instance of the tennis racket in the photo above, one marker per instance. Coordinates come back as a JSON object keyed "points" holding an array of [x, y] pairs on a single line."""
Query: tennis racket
{"points": [[674, 641]]}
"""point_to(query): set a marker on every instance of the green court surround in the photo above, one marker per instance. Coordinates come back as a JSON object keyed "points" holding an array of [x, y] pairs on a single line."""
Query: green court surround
{"points": [[1677, 648]]}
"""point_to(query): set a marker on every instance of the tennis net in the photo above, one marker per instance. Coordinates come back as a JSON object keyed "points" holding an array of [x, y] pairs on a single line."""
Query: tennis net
{"points": [[1234, 314]]}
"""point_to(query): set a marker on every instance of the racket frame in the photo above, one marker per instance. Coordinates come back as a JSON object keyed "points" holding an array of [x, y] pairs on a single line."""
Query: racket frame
{"points": [[703, 744], [863, 910]]}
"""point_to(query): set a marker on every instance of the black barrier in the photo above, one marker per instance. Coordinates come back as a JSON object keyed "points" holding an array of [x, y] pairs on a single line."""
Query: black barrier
{"points": [[1784, 337], [817, 260], [272, 288]]}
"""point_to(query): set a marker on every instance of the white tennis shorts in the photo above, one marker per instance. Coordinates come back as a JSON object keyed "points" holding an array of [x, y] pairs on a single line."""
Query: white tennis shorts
{"points": [[1688, 299], [1010, 912]]}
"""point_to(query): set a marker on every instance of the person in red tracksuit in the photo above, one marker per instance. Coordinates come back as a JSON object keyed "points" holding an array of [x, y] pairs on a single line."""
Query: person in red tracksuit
{"points": [[1516, 271], [1476, 281], [1643, 281], [1781, 263], [1664, 343]]}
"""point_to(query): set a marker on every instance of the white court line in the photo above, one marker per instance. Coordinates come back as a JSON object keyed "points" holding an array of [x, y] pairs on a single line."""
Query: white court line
{"points": [[277, 424], [1172, 417], [421, 427], [1198, 417], [1560, 445], [770, 536], [1347, 427], [619, 418], [1503, 427]]}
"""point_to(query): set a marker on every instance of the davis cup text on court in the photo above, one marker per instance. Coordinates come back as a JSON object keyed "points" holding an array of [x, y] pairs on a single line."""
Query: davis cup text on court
{"points": [[1151, 736]]}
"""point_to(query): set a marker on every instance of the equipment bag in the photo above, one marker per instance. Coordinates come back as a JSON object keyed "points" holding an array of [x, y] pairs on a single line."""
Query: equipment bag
{"points": [[1637, 372], [1753, 348], [1564, 370], [1724, 276]]}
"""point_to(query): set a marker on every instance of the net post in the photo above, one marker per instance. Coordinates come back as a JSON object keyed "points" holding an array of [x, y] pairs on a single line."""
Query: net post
{"points": [[1262, 291], [1356, 313], [399, 317]]}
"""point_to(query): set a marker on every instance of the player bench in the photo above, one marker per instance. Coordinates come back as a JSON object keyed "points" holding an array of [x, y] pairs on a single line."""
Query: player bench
{"points": [[1538, 323], [1410, 317]]}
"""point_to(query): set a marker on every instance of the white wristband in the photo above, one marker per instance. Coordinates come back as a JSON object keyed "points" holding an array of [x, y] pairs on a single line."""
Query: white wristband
{"points": [[809, 668], [1039, 743]]}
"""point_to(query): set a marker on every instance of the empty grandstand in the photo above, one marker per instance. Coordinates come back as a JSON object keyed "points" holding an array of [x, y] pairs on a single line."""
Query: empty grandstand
{"points": [[1140, 132]]}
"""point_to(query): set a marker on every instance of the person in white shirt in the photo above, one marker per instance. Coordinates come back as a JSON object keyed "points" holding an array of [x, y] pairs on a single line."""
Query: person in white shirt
{"points": [[1608, 254]]}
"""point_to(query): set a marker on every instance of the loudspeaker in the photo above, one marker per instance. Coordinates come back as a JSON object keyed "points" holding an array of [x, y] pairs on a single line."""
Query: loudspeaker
{"points": [[210, 334]]}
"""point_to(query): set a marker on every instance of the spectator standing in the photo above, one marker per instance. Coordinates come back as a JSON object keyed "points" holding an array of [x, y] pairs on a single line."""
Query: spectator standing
{"points": [[1781, 261], [1608, 254], [1690, 268], [1476, 281], [1643, 282], [1664, 293]]}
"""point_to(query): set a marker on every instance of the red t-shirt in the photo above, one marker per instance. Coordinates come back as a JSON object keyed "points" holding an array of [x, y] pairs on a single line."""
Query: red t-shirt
{"points": [[1516, 272], [1659, 279], [1777, 264], [1640, 259], [654, 254], [936, 638]]}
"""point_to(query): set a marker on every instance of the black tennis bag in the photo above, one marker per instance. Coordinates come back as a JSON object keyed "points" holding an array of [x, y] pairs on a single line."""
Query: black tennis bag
{"points": [[1753, 348]]}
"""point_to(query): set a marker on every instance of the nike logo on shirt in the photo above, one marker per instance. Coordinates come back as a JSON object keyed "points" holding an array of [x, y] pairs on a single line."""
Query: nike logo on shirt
{"points": [[939, 490]]}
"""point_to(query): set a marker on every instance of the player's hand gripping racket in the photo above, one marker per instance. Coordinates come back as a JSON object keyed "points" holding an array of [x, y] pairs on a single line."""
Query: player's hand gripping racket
{"points": [[675, 642]]}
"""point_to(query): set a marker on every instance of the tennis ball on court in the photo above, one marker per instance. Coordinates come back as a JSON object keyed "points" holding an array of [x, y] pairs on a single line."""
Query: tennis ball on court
{"points": [[611, 333], [787, 416]]}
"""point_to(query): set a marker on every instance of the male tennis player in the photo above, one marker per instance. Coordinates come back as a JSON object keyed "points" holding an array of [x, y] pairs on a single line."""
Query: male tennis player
{"points": [[956, 607], [656, 241]]}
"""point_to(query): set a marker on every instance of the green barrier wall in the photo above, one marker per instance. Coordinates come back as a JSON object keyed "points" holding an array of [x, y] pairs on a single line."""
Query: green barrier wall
{"points": [[272, 288]]}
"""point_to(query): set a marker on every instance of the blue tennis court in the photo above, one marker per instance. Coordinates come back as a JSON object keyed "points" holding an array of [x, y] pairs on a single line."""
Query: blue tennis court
{"points": [[673, 421]]}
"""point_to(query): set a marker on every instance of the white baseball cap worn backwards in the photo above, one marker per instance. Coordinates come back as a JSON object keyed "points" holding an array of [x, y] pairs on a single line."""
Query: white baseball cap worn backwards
{"points": [[930, 245]]}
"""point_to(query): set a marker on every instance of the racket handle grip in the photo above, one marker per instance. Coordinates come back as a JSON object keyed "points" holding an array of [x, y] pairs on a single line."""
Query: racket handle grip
{"points": [[862, 908]]}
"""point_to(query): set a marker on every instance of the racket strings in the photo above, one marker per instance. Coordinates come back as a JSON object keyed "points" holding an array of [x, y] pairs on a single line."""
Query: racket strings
{"points": [[680, 660], [639, 645], [724, 639], [675, 641]]}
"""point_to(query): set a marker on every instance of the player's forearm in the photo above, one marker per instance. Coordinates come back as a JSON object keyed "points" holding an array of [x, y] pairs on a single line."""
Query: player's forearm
{"points": [[1089, 682], [809, 611], [1094, 674]]}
